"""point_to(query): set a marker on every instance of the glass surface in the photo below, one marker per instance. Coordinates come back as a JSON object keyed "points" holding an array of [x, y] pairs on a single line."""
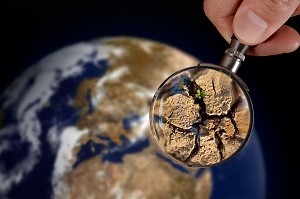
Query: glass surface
{"points": [[201, 116]]}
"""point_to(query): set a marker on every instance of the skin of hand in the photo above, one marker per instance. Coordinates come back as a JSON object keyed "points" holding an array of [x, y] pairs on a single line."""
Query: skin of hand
{"points": [[257, 23]]}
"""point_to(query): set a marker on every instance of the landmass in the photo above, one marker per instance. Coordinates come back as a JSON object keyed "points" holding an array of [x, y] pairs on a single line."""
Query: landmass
{"points": [[141, 175]]}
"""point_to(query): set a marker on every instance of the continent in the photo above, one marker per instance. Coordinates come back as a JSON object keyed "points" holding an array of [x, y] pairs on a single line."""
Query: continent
{"points": [[104, 103], [94, 179]]}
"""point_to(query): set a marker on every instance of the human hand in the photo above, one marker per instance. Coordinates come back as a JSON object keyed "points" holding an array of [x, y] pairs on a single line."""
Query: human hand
{"points": [[257, 23]]}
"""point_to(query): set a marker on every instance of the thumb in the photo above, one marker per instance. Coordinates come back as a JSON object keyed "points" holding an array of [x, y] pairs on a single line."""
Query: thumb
{"points": [[257, 20]]}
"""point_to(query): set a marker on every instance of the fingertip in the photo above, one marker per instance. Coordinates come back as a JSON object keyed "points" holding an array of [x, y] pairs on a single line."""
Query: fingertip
{"points": [[296, 44], [249, 28], [285, 40], [256, 21]]}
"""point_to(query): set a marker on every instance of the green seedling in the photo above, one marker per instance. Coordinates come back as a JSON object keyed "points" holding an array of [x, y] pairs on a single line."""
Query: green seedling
{"points": [[200, 94]]}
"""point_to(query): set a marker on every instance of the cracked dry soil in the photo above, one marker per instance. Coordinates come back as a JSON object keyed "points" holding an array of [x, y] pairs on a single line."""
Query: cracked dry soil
{"points": [[203, 132]]}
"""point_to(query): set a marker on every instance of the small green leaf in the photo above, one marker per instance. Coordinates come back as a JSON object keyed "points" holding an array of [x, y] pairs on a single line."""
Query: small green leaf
{"points": [[200, 94]]}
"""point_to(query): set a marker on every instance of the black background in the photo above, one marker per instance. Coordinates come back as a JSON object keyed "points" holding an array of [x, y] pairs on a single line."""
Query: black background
{"points": [[31, 31]]}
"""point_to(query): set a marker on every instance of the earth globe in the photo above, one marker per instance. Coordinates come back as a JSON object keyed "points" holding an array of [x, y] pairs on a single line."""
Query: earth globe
{"points": [[76, 125]]}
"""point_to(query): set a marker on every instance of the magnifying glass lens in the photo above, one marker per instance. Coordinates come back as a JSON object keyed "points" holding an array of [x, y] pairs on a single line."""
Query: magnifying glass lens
{"points": [[201, 116]]}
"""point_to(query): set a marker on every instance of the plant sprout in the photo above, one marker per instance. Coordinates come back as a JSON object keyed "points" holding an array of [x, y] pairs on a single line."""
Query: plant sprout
{"points": [[200, 94]]}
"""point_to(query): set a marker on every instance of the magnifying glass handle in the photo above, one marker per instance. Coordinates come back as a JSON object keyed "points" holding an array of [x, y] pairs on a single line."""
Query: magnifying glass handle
{"points": [[234, 55]]}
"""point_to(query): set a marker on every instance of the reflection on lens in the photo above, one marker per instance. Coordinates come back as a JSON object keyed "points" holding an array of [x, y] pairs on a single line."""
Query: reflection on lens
{"points": [[201, 116]]}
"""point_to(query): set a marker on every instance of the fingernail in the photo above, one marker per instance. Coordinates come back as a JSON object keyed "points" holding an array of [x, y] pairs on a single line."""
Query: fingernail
{"points": [[250, 27]]}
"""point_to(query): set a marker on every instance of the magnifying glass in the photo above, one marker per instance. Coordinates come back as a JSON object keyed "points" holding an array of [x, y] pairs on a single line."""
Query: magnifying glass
{"points": [[202, 116]]}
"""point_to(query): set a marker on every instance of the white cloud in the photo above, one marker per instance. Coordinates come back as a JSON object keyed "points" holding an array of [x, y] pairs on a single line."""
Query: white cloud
{"points": [[112, 76], [53, 138], [25, 103], [68, 140]]}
